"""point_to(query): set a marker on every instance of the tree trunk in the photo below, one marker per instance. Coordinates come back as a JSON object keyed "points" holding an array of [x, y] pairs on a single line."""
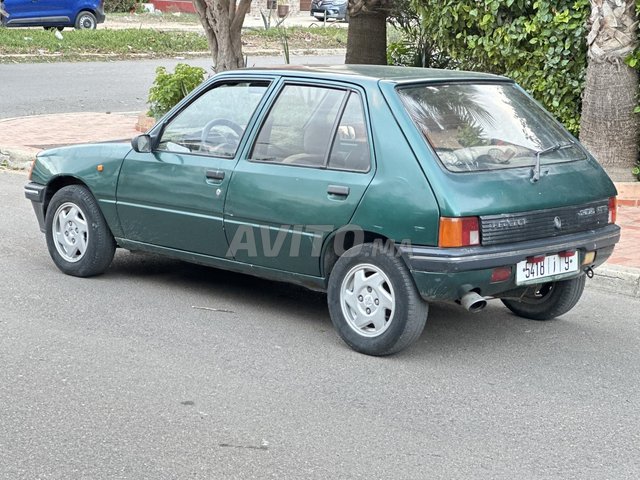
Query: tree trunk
{"points": [[222, 22], [608, 127], [367, 35]]}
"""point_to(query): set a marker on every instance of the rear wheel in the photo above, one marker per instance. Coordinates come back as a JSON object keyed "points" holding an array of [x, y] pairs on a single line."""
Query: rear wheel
{"points": [[78, 238], [373, 302], [86, 21], [548, 300]]}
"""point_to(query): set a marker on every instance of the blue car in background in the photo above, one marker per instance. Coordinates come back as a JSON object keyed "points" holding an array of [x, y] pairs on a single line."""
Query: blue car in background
{"points": [[325, 9], [81, 14]]}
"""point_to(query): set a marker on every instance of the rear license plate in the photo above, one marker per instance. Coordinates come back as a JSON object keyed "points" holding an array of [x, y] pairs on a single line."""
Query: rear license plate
{"points": [[551, 266]]}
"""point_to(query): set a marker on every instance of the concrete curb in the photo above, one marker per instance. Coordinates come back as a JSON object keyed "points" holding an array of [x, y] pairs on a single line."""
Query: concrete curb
{"points": [[17, 158], [248, 52], [617, 279]]}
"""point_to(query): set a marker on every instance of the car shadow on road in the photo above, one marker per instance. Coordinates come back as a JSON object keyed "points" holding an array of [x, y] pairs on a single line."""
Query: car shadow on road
{"points": [[217, 283], [449, 327]]}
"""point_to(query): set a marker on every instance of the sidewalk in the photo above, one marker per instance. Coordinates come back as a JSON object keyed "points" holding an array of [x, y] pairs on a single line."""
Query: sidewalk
{"points": [[160, 22], [21, 138]]}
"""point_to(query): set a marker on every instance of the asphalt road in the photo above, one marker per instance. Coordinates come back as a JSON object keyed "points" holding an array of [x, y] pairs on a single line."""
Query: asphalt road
{"points": [[123, 86], [162, 370]]}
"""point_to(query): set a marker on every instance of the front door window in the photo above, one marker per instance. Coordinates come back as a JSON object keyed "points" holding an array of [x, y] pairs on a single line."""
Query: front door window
{"points": [[214, 123]]}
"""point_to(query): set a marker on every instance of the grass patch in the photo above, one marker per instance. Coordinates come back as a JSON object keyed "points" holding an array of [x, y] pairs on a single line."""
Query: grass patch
{"points": [[299, 38], [76, 43], [38, 45], [153, 18]]}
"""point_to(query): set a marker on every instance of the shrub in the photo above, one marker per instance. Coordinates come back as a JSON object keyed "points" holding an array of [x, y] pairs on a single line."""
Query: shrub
{"points": [[415, 47], [111, 6], [169, 88], [539, 44]]}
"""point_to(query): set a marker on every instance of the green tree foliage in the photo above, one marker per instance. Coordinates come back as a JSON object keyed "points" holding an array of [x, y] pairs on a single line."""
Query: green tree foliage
{"points": [[634, 61], [634, 58], [540, 44]]}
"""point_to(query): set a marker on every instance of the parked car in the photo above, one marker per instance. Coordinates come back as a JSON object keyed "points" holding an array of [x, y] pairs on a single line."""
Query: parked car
{"points": [[81, 14], [386, 187], [326, 9]]}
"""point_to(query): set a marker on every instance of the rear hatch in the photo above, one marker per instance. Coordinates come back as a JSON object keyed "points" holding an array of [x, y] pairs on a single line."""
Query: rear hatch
{"points": [[490, 151]]}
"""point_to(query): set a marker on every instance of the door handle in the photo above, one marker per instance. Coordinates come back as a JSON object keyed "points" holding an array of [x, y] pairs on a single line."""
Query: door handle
{"points": [[339, 190], [215, 174]]}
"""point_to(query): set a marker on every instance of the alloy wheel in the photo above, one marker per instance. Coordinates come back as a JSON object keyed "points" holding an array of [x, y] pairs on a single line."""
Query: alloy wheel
{"points": [[367, 300]]}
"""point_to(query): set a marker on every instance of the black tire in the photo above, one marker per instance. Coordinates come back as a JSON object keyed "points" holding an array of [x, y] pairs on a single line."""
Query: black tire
{"points": [[93, 244], [403, 324], [86, 21], [549, 300]]}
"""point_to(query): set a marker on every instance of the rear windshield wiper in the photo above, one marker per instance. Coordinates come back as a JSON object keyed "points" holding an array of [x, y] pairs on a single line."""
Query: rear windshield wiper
{"points": [[535, 171]]}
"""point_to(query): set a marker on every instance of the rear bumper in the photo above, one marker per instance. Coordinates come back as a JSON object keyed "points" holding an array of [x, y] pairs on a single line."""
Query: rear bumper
{"points": [[448, 273], [35, 192]]}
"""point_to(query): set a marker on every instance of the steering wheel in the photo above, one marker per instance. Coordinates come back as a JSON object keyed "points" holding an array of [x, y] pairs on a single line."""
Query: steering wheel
{"points": [[231, 139]]}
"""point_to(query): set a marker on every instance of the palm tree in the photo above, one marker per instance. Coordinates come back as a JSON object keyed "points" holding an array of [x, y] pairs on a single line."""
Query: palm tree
{"points": [[609, 128], [367, 36]]}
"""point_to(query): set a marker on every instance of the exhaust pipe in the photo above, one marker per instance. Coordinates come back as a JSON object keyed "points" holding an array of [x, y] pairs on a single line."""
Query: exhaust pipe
{"points": [[473, 302]]}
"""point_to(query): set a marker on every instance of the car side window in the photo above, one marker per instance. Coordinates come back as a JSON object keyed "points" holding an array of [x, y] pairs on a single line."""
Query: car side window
{"points": [[299, 128], [214, 123], [350, 149]]}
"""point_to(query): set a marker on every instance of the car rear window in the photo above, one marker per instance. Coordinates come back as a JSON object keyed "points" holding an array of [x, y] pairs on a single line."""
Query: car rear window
{"points": [[475, 127]]}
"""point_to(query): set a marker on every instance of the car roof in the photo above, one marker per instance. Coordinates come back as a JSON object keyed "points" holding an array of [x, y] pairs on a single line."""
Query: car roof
{"points": [[391, 74]]}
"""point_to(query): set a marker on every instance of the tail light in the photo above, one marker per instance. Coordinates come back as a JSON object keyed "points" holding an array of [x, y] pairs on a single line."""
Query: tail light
{"points": [[613, 209], [459, 232]]}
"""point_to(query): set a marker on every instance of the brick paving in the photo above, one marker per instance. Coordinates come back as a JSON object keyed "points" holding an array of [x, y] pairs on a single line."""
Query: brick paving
{"points": [[44, 131], [627, 252]]}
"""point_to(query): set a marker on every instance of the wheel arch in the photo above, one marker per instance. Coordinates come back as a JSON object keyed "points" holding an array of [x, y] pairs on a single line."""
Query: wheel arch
{"points": [[343, 239], [57, 183], [92, 11]]}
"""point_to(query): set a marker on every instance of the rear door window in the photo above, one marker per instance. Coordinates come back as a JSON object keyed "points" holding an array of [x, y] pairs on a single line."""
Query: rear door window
{"points": [[300, 126], [350, 150]]}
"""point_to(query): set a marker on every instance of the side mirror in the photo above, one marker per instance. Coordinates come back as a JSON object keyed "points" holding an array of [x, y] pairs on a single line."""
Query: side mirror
{"points": [[142, 143]]}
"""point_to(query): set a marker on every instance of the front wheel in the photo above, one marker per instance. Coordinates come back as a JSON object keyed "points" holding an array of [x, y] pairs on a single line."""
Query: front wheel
{"points": [[86, 21], [373, 303], [78, 238], [548, 300]]}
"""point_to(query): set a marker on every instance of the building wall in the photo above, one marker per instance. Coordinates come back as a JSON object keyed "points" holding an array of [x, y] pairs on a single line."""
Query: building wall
{"points": [[174, 6], [295, 6]]}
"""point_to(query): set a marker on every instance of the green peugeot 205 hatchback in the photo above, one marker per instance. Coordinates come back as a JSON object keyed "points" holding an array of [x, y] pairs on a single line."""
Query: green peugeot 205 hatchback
{"points": [[386, 187]]}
